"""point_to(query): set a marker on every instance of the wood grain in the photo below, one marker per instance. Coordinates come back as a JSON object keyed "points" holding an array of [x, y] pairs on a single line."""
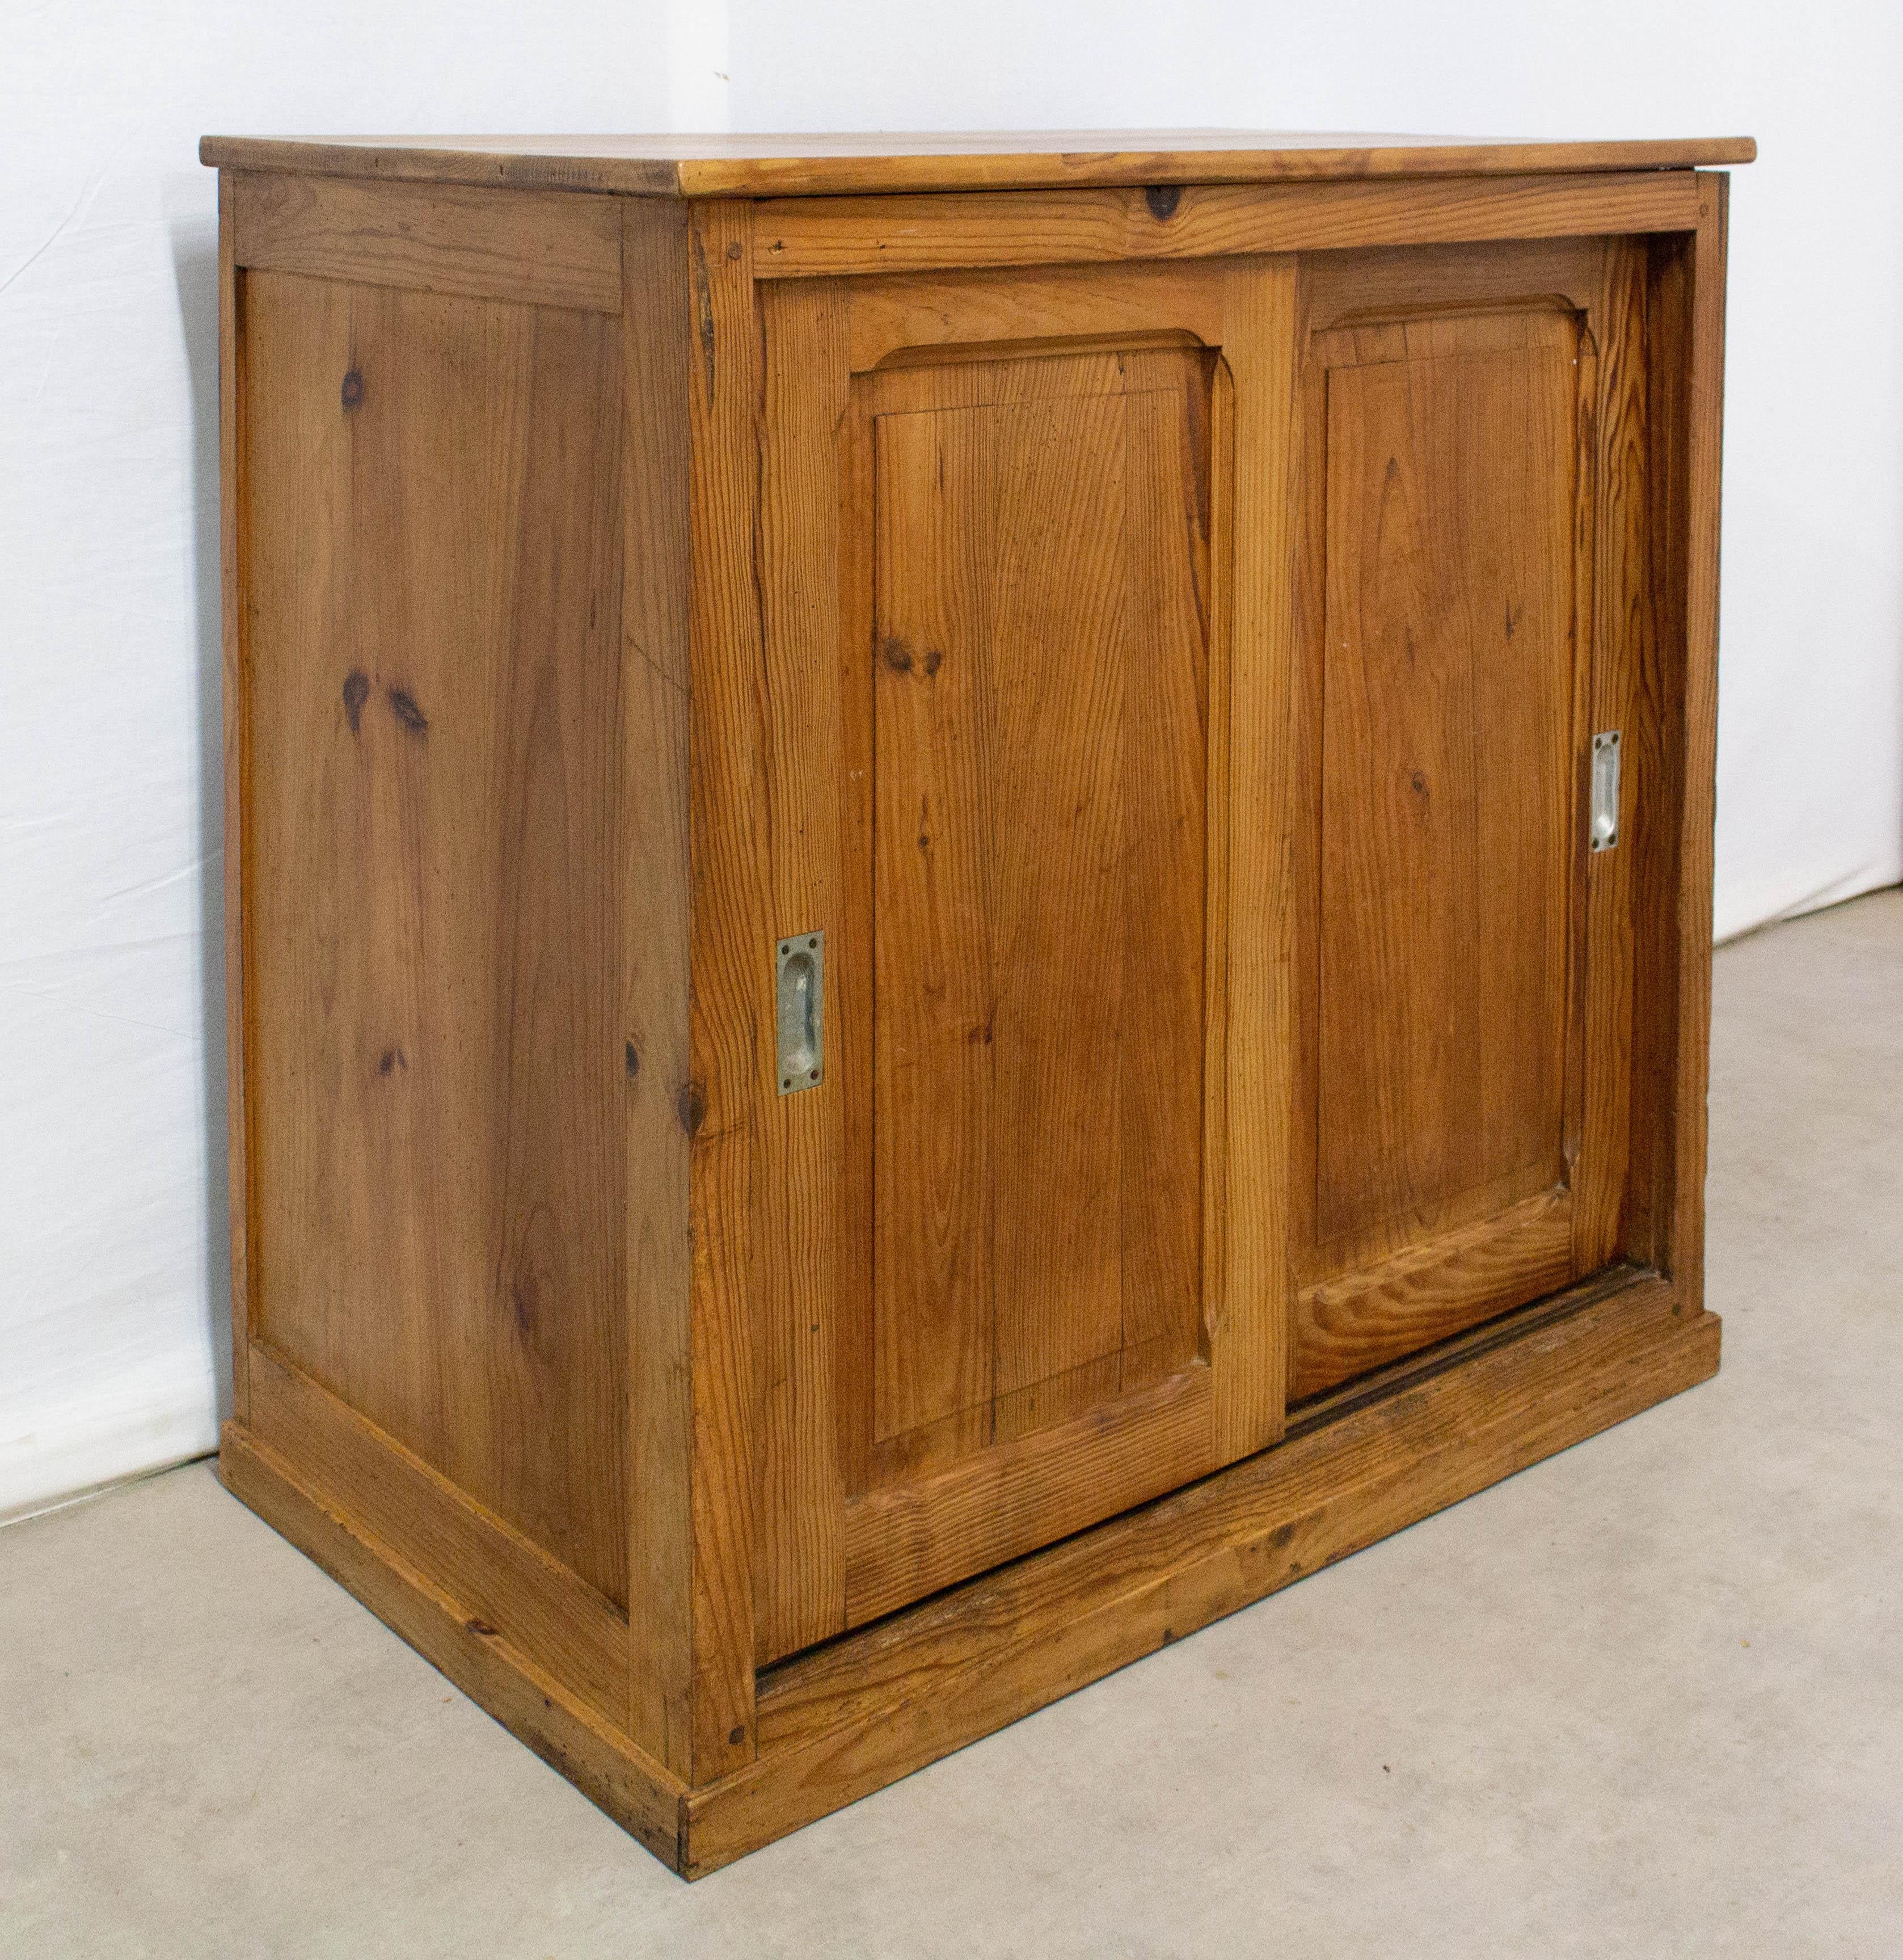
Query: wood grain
{"points": [[812, 1173], [1675, 700], [537, 247], [1039, 878], [826, 236], [1625, 632], [504, 1581], [233, 508], [1227, 1345], [805, 1698], [755, 165], [1418, 1295], [1342, 291], [909, 1540], [1447, 784], [1065, 309], [1703, 456], [432, 937], [657, 331], [866, 1709], [948, 349], [1652, 822], [636, 1791], [1248, 1323], [730, 1041], [1037, 900], [1471, 998]]}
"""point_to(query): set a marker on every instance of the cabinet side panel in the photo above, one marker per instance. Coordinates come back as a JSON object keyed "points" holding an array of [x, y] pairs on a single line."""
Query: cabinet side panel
{"points": [[656, 326], [433, 584]]}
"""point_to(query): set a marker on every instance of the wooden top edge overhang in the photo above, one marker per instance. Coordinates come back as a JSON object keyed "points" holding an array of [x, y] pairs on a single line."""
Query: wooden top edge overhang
{"points": [[797, 166]]}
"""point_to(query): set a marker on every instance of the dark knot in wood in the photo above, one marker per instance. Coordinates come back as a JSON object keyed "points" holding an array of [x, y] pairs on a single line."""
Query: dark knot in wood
{"points": [[404, 706]]}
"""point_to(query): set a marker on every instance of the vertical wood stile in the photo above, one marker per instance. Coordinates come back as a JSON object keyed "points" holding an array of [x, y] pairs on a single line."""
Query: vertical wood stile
{"points": [[1216, 818], [1250, 1338], [1691, 1061], [1623, 629], [1652, 816], [730, 1043], [800, 1568], [1589, 650], [230, 537], [656, 331]]}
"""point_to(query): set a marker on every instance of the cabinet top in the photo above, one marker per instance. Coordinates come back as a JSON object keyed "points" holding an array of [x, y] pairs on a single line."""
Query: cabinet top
{"points": [[791, 166]]}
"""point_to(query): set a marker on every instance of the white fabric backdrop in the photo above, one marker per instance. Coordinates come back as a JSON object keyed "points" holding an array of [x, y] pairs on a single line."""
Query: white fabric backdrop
{"points": [[113, 1276]]}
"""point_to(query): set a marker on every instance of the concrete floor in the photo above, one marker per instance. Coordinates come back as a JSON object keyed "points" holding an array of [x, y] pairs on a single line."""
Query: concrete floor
{"points": [[1646, 1698]]}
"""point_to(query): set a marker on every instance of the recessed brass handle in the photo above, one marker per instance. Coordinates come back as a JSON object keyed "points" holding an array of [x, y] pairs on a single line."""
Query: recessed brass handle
{"points": [[801, 993], [1603, 826]]}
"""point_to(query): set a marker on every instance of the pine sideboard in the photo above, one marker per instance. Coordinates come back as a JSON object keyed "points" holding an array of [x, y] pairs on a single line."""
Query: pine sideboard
{"points": [[967, 895]]}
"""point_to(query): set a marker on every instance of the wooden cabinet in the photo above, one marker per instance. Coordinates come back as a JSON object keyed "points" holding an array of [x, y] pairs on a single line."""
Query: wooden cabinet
{"points": [[968, 891]]}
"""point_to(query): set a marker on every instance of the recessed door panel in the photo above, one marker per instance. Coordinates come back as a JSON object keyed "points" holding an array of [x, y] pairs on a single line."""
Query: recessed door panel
{"points": [[1040, 753], [1453, 472], [1446, 712]]}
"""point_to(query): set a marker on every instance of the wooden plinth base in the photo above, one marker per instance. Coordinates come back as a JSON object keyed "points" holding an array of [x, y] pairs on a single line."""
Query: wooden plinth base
{"points": [[861, 1711]]}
